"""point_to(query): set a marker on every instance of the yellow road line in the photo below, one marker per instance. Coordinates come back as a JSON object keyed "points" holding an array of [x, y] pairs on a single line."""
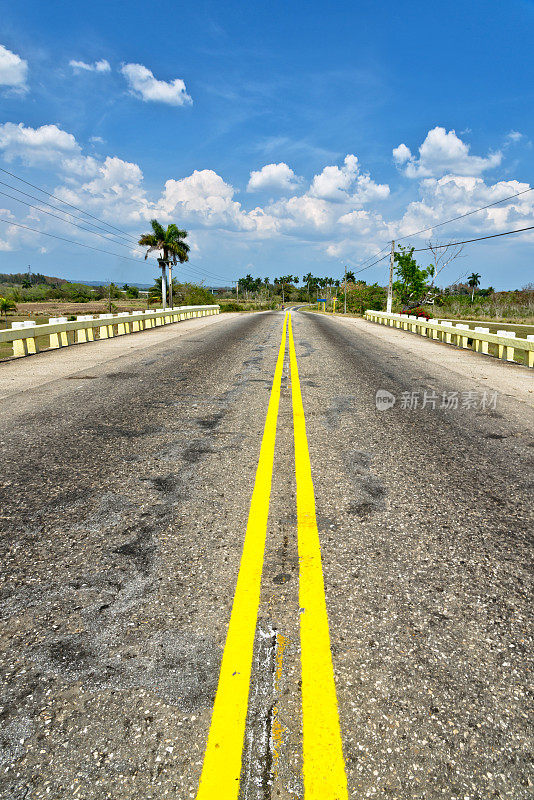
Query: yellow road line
{"points": [[323, 763], [224, 749]]}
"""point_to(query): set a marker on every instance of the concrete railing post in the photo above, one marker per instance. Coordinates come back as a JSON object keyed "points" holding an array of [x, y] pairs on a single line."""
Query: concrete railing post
{"points": [[530, 353], [124, 325], [105, 331], [505, 351], [480, 346], [461, 340], [59, 339], [84, 334], [24, 347]]}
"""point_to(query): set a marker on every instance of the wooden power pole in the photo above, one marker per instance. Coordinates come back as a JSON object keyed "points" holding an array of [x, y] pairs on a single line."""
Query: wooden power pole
{"points": [[390, 285]]}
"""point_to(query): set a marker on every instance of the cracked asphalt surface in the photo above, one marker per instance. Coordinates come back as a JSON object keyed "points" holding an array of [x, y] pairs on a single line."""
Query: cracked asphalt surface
{"points": [[124, 499]]}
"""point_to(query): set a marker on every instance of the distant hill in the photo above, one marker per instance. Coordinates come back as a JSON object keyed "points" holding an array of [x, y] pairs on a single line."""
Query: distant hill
{"points": [[105, 283], [36, 278], [17, 278]]}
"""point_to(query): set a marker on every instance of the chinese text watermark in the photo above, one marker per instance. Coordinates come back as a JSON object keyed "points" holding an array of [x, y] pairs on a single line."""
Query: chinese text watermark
{"points": [[432, 400]]}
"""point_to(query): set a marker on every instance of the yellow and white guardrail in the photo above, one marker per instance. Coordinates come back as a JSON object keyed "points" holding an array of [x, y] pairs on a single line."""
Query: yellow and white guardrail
{"points": [[87, 328], [459, 334]]}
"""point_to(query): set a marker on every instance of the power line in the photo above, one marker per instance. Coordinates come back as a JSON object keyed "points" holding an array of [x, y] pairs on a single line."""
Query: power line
{"points": [[75, 216], [53, 196], [372, 265], [360, 263], [70, 241], [461, 216], [133, 240], [453, 244], [445, 222], [96, 249], [478, 239], [62, 219]]}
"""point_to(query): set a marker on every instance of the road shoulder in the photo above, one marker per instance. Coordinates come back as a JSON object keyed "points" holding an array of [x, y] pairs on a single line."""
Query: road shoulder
{"points": [[508, 379], [19, 375]]}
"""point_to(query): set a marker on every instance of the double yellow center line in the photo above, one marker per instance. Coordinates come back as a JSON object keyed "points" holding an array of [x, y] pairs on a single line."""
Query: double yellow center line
{"points": [[323, 764]]}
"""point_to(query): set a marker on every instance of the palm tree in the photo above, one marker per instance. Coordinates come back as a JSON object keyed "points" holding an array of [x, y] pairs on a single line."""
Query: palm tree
{"points": [[308, 280], [174, 248], [474, 282], [283, 281], [6, 305], [350, 276]]}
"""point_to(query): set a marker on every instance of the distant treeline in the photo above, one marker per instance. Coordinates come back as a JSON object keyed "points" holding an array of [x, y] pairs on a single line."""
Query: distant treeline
{"points": [[29, 279]]}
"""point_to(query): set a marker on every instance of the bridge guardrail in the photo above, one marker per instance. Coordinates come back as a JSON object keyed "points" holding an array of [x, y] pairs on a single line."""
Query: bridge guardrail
{"points": [[25, 335], [459, 334]]}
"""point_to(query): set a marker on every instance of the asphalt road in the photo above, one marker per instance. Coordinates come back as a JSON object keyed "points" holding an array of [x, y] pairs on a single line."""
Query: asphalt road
{"points": [[125, 495]]}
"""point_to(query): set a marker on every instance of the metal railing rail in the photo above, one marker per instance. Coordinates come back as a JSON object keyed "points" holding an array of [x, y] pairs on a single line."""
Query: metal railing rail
{"points": [[460, 334], [24, 335]]}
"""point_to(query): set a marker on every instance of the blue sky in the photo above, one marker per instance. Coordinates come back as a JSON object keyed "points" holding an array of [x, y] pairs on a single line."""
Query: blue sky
{"points": [[284, 137]]}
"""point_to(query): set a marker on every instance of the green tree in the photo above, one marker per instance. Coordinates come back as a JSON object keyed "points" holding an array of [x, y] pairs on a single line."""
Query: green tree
{"points": [[284, 281], [350, 276], [411, 282], [363, 297], [171, 242], [6, 305], [474, 282], [154, 293]]}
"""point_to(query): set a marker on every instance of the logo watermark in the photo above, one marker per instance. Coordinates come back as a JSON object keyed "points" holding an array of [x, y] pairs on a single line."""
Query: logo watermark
{"points": [[384, 400], [445, 401]]}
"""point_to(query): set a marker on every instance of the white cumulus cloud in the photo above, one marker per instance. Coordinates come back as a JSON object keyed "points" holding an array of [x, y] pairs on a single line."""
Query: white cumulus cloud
{"points": [[346, 184], [401, 154], [36, 145], [115, 190], [96, 66], [334, 182], [143, 84], [441, 153], [204, 195], [454, 195], [273, 177], [13, 70]]}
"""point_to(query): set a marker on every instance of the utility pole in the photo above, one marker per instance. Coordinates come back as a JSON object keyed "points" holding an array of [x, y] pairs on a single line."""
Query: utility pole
{"points": [[345, 309], [390, 285]]}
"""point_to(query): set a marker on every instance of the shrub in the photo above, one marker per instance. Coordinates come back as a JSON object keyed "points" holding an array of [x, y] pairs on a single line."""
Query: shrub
{"points": [[416, 312], [363, 297]]}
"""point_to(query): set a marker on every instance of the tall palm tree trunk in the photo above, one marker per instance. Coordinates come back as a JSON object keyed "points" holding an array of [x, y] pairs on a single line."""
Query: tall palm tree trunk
{"points": [[163, 266]]}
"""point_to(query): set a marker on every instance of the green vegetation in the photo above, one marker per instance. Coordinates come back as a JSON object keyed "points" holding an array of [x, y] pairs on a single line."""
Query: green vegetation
{"points": [[474, 281], [412, 281], [233, 305], [184, 294], [6, 305], [170, 241], [361, 297], [460, 302]]}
